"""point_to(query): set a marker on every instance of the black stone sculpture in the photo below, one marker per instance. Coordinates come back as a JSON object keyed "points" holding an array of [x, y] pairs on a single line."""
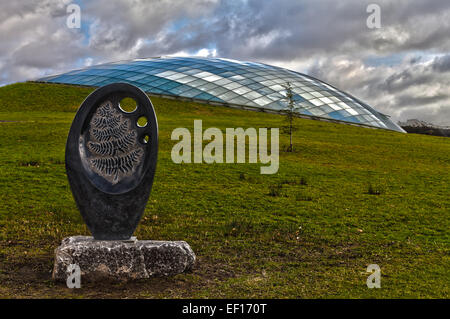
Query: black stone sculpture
{"points": [[111, 160]]}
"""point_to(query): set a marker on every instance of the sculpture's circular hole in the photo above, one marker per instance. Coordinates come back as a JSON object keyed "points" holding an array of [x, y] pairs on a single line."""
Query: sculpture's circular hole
{"points": [[142, 121], [128, 105], [146, 139]]}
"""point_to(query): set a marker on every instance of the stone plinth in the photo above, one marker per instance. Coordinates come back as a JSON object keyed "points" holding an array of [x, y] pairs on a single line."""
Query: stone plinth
{"points": [[122, 260]]}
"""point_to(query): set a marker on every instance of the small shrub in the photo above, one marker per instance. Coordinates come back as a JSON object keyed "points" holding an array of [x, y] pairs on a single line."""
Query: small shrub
{"points": [[236, 228], [241, 176], [303, 181], [304, 198], [30, 163], [275, 190], [372, 190], [57, 161]]}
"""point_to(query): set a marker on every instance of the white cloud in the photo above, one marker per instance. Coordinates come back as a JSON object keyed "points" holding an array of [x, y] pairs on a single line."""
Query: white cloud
{"points": [[327, 38]]}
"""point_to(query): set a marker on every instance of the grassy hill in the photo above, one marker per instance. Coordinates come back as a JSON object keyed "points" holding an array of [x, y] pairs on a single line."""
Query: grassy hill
{"points": [[346, 198]]}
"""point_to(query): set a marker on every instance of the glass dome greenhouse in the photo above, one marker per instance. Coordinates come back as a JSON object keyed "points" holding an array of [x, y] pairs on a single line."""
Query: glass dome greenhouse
{"points": [[241, 84]]}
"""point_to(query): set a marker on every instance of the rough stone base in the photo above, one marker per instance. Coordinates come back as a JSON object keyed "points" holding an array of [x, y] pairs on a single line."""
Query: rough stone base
{"points": [[121, 260]]}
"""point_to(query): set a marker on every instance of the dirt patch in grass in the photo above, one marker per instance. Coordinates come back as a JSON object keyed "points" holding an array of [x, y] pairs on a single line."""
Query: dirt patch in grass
{"points": [[31, 277]]}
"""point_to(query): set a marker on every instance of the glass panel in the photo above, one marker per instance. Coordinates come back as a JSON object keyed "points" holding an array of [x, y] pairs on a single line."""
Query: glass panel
{"points": [[169, 85], [326, 100], [336, 115], [186, 79], [268, 83], [316, 111], [335, 107], [316, 102], [176, 76], [264, 91], [180, 89], [326, 108], [232, 85], [241, 90], [351, 119], [343, 105], [344, 113], [316, 94], [278, 105], [222, 81], [239, 100], [160, 82], [334, 99], [137, 77], [216, 79], [255, 86], [228, 96], [352, 111], [203, 96], [191, 93], [165, 74], [246, 82], [217, 90], [197, 82], [212, 78], [262, 101], [203, 74], [236, 77], [192, 71], [252, 95], [207, 86]]}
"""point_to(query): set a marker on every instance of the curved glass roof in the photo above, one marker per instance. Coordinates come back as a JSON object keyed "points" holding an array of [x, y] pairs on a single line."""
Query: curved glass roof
{"points": [[230, 82]]}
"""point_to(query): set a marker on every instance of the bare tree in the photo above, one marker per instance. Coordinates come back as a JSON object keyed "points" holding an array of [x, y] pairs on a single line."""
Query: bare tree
{"points": [[290, 113]]}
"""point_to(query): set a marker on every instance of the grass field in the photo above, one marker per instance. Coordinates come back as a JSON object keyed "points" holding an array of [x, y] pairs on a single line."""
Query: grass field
{"points": [[346, 198]]}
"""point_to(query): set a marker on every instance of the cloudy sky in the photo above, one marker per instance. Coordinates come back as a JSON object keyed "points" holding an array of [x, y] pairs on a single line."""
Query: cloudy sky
{"points": [[401, 69]]}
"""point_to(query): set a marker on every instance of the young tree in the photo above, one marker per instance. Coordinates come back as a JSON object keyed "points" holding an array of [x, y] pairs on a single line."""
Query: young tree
{"points": [[290, 113]]}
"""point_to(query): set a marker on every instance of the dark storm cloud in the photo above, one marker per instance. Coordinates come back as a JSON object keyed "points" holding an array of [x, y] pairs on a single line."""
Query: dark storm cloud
{"points": [[326, 38], [289, 30], [442, 64], [405, 79], [412, 102]]}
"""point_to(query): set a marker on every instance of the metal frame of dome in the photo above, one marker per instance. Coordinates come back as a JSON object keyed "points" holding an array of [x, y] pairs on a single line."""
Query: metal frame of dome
{"points": [[241, 84]]}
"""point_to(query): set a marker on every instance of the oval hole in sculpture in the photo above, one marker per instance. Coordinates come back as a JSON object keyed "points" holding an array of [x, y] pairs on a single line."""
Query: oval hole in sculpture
{"points": [[128, 105], [142, 121], [145, 139]]}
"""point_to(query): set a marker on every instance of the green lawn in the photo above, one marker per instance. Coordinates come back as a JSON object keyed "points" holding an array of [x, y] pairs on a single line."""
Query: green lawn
{"points": [[308, 241]]}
